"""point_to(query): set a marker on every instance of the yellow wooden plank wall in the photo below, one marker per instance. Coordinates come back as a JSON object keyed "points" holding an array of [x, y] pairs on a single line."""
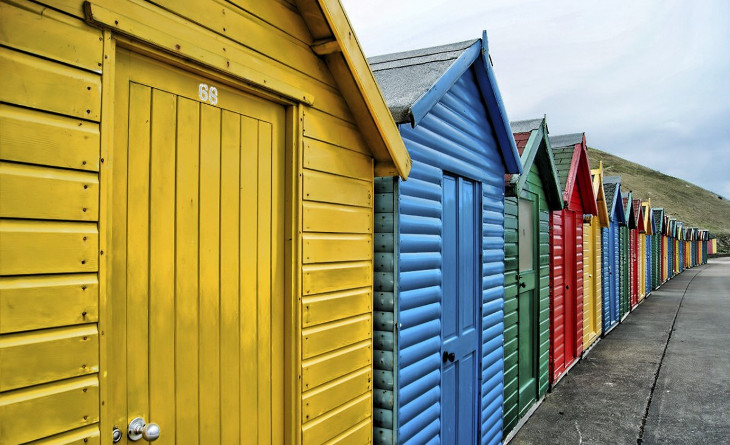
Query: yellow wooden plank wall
{"points": [[49, 212], [337, 250], [49, 124]]}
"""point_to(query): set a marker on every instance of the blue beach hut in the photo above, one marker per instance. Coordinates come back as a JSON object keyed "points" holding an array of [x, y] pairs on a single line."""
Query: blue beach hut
{"points": [[610, 253], [649, 227], [439, 242]]}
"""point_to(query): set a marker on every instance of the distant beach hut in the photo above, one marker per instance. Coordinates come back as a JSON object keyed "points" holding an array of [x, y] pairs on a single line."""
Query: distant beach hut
{"points": [[566, 252]]}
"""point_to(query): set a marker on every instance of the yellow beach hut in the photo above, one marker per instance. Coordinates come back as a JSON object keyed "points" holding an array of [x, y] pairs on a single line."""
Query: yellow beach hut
{"points": [[186, 239]]}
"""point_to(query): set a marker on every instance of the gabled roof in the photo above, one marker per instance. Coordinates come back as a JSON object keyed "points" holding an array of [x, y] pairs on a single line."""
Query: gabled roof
{"points": [[658, 216], [648, 221], [627, 200], [407, 76], [614, 203], [413, 82], [526, 126], [571, 161], [336, 43], [639, 213], [534, 148], [598, 193]]}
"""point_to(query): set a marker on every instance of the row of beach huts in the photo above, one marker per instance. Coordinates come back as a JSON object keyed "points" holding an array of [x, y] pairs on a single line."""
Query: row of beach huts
{"points": [[220, 223]]}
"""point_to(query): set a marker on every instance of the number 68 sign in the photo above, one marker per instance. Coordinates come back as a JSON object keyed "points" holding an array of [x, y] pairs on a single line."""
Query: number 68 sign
{"points": [[208, 94]]}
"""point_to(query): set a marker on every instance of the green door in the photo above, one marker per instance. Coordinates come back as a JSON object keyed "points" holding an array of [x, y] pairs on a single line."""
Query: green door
{"points": [[527, 306]]}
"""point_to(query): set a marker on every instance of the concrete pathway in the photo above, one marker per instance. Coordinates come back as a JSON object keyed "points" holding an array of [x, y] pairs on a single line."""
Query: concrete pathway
{"points": [[662, 376]]}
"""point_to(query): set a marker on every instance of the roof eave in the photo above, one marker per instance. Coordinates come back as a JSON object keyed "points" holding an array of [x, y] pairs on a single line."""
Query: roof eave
{"points": [[618, 204], [351, 71], [497, 111], [477, 52], [580, 176], [424, 104], [600, 196], [534, 152]]}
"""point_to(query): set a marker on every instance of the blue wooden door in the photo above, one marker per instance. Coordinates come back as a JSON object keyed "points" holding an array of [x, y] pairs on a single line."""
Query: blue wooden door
{"points": [[460, 311], [613, 272]]}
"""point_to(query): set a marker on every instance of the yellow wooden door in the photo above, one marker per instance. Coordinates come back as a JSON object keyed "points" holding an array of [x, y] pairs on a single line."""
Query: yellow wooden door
{"points": [[591, 282], [588, 291], [197, 268]]}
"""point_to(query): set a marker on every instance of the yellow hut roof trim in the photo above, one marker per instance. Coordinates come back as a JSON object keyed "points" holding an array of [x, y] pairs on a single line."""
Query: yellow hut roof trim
{"points": [[333, 41], [647, 217], [597, 176], [336, 43]]}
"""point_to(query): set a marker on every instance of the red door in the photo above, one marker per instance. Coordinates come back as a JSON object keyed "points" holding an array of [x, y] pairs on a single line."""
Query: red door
{"points": [[578, 294], [634, 268], [570, 311]]}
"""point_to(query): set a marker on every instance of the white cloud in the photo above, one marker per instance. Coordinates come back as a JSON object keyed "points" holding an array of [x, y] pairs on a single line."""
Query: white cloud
{"points": [[647, 80]]}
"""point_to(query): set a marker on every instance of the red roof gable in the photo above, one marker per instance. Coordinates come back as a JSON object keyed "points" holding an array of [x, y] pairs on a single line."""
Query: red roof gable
{"points": [[639, 212], [521, 141], [580, 176]]}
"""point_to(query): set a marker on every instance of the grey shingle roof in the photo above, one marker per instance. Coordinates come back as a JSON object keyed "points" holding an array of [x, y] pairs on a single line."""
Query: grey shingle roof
{"points": [[565, 140], [657, 217], [609, 189], [404, 77], [563, 157], [525, 126]]}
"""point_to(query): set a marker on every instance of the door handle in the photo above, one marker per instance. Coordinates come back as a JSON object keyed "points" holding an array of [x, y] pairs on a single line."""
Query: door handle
{"points": [[449, 356], [523, 285], [139, 430]]}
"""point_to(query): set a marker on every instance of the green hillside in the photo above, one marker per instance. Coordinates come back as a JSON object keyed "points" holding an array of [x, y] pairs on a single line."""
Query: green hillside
{"points": [[693, 205]]}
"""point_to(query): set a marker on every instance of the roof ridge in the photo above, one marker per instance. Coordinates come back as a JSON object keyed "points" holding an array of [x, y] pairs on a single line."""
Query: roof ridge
{"points": [[420, 52]]}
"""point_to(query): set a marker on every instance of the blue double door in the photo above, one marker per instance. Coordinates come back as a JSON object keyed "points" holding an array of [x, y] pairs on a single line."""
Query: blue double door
{"points": [[460, 306]]}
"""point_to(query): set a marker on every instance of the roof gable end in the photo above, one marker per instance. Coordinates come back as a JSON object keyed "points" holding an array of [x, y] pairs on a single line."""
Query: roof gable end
{"points": [[600, 196], [335, 42], [413, 82], [537, 151], [612, 188], [571, 161], [627, 200], [639, 214]]}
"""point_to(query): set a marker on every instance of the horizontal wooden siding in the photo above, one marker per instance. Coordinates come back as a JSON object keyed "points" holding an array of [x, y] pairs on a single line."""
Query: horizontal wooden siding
{"points": [[49, 212]]}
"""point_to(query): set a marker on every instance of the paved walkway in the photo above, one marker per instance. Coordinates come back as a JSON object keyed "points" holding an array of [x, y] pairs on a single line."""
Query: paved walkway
{"points": [[661, 377]]}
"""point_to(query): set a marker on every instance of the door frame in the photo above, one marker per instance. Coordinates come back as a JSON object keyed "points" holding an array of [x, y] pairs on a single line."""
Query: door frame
{"points": [[478, 202], [570, 268], [534, 199], [292, 220]]}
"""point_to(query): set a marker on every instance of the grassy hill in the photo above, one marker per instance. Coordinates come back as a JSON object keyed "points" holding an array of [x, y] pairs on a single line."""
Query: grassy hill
{"points": [[693, 205]]}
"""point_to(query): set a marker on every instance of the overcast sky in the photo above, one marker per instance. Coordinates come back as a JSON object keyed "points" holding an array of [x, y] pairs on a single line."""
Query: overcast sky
{"points": [[646, 80]]}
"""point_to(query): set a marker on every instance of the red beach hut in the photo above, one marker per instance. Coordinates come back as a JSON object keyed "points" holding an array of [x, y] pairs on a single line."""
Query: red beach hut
{"points": [[566, 252], [635, 252]]}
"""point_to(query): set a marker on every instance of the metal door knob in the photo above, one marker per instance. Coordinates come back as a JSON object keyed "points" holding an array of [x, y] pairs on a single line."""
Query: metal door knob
{"points": [[523, 285], [449, 356], [139, 430]]}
